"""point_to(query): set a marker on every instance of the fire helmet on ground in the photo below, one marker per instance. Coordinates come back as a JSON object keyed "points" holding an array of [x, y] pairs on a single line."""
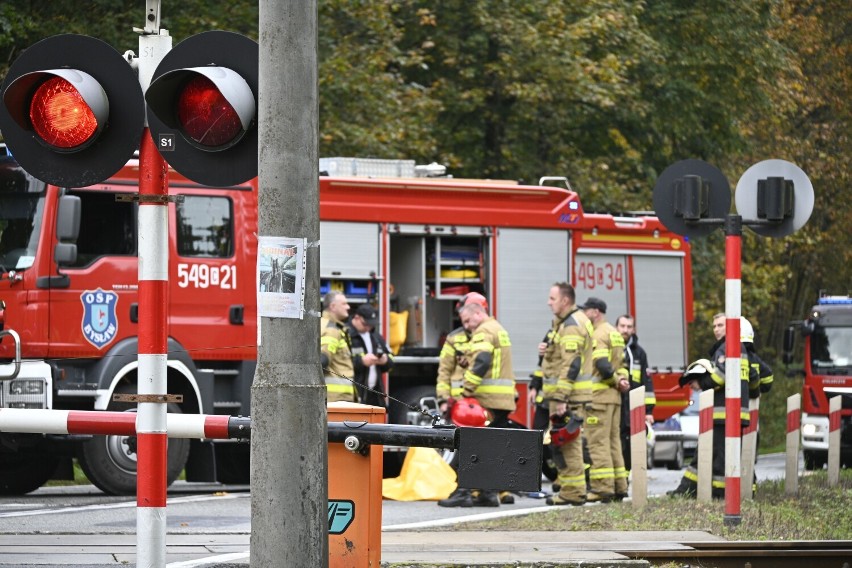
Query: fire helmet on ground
{"points": [[468, 412], [472, 298]]}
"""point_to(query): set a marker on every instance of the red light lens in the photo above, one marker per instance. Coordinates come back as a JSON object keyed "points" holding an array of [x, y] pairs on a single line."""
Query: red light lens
{"points": [[205, 115], [60, 116]]}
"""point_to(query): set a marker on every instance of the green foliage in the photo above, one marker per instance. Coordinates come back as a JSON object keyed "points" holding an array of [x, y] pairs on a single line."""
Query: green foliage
{"points": [[608, 93], [773, 407]]}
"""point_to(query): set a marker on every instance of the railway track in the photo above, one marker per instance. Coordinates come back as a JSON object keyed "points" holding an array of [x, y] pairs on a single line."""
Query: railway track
{"points": [[754, 554]]}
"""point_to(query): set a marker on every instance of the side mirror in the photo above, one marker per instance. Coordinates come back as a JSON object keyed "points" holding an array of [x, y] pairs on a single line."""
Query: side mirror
{"points": [[68, 218], [65, 253], [789, 341]]}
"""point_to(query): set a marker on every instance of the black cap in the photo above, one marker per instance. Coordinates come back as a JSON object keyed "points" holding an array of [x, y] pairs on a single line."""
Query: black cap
{"points": [[595, 303], [369, 314]]}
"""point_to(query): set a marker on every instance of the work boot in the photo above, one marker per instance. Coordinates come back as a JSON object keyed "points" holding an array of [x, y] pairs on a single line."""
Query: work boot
{"points": [[506, 498], [559, 500], [683, 490], [592, 497], [486, 499], [458, 498]]}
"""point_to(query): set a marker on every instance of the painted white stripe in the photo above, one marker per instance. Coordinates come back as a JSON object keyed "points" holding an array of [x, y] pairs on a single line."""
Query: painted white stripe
{"points": [[210, 560], [469, 518], [150, 536], [154, 242], [34, 420], [186, 425], [152, 380], [733, 297], [124, 505]]}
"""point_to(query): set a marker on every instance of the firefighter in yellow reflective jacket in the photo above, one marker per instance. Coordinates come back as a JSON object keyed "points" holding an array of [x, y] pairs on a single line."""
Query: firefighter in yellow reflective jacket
{"points": [[562, 357], [489, 376], [336, 349], [452, 360], [607, 474]]}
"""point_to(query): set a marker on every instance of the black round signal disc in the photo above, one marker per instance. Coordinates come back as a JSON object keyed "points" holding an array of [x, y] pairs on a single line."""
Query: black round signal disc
{"points": [[112, 146], [217, 167], [719, 204]]}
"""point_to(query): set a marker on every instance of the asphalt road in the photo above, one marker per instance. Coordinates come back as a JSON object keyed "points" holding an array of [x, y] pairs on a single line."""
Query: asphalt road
{"points": [[212, 508]]}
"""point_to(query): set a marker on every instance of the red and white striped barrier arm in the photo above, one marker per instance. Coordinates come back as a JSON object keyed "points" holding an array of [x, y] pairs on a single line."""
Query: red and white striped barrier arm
{"points": [[638, 447], [105, 423]]}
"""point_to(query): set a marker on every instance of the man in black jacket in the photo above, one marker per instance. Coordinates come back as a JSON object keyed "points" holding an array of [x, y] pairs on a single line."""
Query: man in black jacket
{"points": [[370, 355], [636, 361]]}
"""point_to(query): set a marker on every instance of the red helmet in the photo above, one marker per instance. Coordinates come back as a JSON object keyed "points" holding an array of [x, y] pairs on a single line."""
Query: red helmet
{"points": [[472, 298], [468, 412], [566, 427]]}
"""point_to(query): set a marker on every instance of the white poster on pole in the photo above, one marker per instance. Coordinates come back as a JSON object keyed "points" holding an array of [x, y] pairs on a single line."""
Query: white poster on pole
{"points": [[281, 277]]}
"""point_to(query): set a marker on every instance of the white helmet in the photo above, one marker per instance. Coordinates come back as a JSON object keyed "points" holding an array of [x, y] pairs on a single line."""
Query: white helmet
{"points": [[746, 331]]}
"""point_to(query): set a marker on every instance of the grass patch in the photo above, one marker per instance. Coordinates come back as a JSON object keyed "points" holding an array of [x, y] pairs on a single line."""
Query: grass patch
{"points": [[818, 512]]}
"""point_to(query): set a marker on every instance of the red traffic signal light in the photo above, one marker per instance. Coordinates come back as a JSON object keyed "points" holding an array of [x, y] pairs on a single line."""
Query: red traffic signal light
{"points": [[56, 116], [68, 110], [203, 108]]}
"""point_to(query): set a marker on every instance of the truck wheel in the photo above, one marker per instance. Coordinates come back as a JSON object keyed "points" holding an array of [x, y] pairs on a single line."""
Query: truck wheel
{"points": [[814, 460], [21, 473], [110, 461]]}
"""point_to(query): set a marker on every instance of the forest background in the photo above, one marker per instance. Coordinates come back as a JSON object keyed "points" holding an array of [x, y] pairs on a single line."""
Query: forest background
{"points": [[606, 92]]}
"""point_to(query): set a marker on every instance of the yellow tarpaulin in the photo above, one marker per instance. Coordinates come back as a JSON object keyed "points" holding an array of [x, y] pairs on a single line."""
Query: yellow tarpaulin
{"points": [[424, 477]]}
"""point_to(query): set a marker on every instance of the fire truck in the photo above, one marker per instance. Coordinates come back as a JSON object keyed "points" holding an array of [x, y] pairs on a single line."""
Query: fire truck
{"points": [[827, 333], [410, 244]]}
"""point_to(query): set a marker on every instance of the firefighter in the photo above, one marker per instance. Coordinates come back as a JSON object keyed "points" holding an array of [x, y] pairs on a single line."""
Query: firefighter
{"points": [[336, 349], [636, 362], [562, 358], [452, 361], [709, 374], [370, 355], [762, 377], [451, 366], [607, 475], [489, 378]]}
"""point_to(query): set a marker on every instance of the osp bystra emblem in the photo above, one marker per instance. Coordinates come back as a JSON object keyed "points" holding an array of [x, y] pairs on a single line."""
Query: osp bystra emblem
{"points": [[100, 323]]}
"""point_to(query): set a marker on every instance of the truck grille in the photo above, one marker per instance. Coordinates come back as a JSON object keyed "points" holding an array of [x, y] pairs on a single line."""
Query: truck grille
{"points": [[24, 393]]}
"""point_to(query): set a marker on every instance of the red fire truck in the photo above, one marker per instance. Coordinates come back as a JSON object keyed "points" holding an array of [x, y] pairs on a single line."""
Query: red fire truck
{"points": [[410, 245], [828, 373]]}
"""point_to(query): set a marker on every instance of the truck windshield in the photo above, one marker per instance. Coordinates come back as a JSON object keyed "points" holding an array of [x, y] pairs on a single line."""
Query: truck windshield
{"points": [[21, 209], [831, 348]]}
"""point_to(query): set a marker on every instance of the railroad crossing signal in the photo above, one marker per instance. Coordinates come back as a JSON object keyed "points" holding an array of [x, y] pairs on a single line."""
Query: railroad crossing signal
{"points": [[203, 108], [73, 110]]}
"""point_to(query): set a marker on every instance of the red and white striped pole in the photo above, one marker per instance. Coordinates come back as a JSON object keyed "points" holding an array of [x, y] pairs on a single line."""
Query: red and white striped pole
{"points": [[151, 428], [794, 424], [733, 398], [705, 446], [638, 447], [834, 406]]}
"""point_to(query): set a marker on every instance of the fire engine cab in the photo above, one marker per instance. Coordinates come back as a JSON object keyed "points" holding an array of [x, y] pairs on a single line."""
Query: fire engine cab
{"points": [[410, 244], [828, 373]]}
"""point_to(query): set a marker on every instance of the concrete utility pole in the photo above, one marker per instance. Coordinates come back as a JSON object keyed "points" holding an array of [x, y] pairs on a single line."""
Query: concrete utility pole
{"points": [[289, 440]]}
